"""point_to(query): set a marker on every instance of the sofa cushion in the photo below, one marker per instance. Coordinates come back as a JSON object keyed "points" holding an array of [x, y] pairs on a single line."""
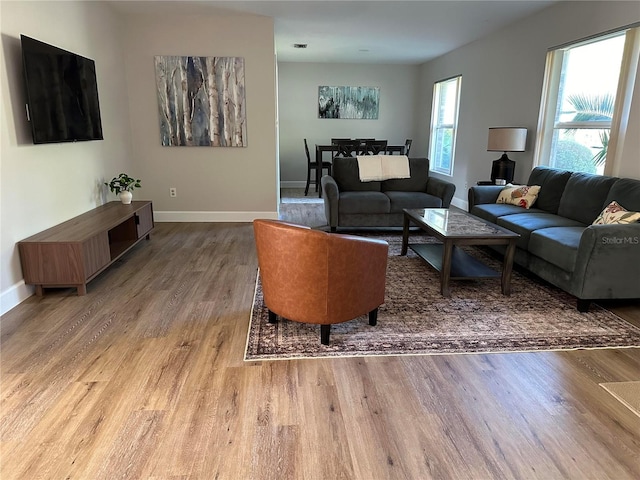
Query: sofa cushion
{"points": [[557, 245], [492, 211], [625, 191], [400, 200], [552, 183], [584, 196], [419, 168], [523, 196], [363, 202], [615, 213], [526, 223], [347, 175]]}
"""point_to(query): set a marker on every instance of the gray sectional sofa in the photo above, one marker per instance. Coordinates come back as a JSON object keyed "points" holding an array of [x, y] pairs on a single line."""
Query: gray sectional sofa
{"points": [[557, 241], [348, 202]]}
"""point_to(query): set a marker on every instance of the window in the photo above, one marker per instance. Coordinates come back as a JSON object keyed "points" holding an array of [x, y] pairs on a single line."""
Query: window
{"points": [[444, 125], [578, 111]]}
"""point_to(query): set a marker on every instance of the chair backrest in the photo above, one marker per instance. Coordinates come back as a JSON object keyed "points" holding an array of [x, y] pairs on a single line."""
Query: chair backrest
{"points": [[306, 150], [335, 140], [315, 277], [346, 148], [375, 147], [282, 249], [407, 146]]}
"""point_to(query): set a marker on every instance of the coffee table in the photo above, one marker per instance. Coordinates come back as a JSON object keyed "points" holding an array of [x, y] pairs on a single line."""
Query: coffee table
{"points": [[454, 228]]}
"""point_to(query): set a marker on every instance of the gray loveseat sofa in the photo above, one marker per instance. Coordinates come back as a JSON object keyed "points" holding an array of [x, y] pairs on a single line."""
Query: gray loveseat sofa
{"points": [[348, 202], [557, 241]]}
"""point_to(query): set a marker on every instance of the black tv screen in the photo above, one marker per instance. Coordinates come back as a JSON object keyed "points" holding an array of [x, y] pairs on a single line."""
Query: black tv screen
{"points": [[62, 94]]}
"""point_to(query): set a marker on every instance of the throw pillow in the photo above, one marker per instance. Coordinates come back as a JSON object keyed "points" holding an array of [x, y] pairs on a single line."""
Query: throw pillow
{"points": [[615, 213], [522, 196]]}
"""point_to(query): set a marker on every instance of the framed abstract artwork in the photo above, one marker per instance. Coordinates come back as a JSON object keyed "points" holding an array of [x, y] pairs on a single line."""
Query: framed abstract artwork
{"points": [[348, 102], [201, 101]]}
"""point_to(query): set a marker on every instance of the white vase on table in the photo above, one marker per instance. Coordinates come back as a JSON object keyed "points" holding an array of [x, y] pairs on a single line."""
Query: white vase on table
{"points": [[125, 197]]}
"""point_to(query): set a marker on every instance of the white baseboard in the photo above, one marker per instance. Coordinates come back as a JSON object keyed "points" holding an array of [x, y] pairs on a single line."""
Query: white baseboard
{"points": [[15, 295], [214, 217], [462, 204], [293, 184]]}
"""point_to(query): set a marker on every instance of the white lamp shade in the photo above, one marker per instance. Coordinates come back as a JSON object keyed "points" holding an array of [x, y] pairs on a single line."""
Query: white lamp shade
{"points": [[507, 139]]}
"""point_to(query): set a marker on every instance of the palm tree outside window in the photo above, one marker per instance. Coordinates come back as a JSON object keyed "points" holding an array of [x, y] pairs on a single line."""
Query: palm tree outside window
{"points": [[579, 103]]}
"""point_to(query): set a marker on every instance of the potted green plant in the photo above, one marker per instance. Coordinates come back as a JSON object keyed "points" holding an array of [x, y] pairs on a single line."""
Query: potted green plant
{"points": [[123, 185]]}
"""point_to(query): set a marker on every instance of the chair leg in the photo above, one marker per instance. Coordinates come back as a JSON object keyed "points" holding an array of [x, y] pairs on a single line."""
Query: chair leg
{"points": [[306, 189], [583, 305], [273, 318], [325, 331], [373, 317]]}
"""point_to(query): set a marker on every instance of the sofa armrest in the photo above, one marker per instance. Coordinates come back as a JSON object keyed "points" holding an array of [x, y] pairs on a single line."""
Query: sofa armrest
{"points": [[607, 262], [441, 189], [330, 195], [483, 194]]}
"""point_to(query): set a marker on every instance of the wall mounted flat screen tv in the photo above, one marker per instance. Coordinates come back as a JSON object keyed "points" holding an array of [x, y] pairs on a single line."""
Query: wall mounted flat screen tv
{"points": [[62, 94]]}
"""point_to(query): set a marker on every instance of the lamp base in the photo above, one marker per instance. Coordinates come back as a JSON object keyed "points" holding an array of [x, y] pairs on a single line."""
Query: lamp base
{"points": [[504, 167]]}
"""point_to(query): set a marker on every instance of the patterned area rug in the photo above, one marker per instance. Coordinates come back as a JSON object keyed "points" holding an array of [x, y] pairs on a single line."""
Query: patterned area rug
{"points": [[416, 320]]}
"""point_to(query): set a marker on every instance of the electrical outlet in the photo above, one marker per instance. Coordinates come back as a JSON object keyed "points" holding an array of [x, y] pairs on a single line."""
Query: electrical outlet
{"points": [[466, 186], [173, 192]]}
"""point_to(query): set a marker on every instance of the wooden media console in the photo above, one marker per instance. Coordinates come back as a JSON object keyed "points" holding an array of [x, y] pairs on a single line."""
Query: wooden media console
{"points": [[72, 253]]}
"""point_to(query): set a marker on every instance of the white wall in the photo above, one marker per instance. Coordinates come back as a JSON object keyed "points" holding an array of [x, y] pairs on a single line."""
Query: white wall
{"points": [[43, 185], [298, 109], [213, 183], [502, 77]]}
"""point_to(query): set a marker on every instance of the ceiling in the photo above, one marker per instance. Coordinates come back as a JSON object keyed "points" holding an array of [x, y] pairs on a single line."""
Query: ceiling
{"points": [[392, 31]]}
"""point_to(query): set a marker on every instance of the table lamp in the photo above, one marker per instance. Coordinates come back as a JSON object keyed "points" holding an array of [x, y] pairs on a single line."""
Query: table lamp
{"points": [[505, 139]]}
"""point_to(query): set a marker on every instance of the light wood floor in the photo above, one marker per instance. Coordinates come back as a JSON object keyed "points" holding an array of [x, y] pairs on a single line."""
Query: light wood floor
{"points": [[144, 378]]}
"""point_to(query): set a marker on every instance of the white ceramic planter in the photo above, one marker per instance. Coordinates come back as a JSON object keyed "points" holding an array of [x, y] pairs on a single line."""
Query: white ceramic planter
{"points": [[125, 197]]}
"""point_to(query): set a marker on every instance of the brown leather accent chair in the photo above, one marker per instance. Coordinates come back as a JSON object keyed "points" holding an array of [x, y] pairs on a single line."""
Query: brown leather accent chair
{"points": [[312, 276]]}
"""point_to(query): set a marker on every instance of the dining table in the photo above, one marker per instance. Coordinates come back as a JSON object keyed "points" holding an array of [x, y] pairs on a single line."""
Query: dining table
{"points": [[322, 148]]}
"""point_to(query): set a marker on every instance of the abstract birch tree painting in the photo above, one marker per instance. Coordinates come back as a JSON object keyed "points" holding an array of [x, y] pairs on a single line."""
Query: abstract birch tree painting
{"points": [[201, 101], [348, 102]]}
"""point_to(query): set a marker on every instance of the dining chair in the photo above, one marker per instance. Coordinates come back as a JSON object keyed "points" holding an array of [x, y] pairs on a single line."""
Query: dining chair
{"points": [[375, 147], [407, 146], [346, 148], [312, 170]]}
